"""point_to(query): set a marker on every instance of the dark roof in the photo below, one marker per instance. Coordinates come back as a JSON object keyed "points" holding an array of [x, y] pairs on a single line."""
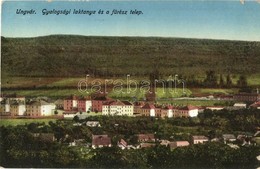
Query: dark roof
{"points": [[85, 98], [127, 103], [148, 106], [101, 140], [117, 102], [188, 108]]}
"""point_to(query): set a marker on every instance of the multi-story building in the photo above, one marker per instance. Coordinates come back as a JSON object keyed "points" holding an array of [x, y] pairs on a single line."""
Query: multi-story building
{"points": [[118, 108], [70, 103], [17, 109], [84, 104], [12, 105], [148, 110], [247, 97], [39, 108], [98, 101], [187, 111]]}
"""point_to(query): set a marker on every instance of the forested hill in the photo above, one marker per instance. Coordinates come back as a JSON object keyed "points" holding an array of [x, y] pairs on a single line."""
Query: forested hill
{"points": [[69, 55]]}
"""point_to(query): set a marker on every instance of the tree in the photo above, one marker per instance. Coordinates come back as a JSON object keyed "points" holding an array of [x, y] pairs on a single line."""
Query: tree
{"points": [[242, 81], [221, 81], [76, 118], [56, 112], [229, 82], [211, 79]]}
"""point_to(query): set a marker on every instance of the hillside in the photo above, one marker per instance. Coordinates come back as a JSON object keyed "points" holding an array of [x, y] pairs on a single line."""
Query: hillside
{"points": [[69, 55]]}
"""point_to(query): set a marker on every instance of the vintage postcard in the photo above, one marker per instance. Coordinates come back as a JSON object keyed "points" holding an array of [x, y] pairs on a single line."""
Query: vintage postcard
{"points": [[130, 84]]}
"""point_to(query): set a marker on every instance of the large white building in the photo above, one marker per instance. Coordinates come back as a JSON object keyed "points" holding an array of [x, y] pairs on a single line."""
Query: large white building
{"points": [[118, 108]]}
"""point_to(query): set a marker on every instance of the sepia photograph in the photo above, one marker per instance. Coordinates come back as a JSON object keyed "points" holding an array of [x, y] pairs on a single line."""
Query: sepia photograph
{"points": [[130, 84]]}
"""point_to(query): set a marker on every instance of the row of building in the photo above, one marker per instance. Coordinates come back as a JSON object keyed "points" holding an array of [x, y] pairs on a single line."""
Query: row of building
{"points": [[109, 106], [70, 106], [18, 106], [149, 140]]}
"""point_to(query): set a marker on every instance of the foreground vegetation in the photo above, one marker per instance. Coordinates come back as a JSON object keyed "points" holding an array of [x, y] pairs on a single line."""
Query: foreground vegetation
{"points": [[16, 122]]}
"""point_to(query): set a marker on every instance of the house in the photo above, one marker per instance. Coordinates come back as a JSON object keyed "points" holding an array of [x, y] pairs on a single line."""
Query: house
{"points": [[255, 105], [187, 111], [228, 138], [84, 104], [93, 124], [176, 144], [247, 97], [118, 108], [122, 144], [39, 108], [145, 138], [70, 103], [199, 139], [101, 141], [240, 105]]}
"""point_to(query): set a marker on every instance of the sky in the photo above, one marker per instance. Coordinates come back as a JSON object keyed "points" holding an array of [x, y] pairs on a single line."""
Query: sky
{"points": [[187, 19]]}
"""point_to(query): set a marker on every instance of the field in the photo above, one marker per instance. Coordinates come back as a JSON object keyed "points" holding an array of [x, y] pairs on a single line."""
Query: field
{"points": [[185, 102], [63, 87], [15, 122]]}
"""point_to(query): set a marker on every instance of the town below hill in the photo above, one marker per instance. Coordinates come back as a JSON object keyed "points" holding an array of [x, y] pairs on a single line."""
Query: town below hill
{"points": [[101, 132]]}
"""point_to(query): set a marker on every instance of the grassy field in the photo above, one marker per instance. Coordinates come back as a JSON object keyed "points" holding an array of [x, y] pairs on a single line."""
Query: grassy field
{"points": [[194, 102], [213, 91], [56, 93], [62, 87], [15, 122]]}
